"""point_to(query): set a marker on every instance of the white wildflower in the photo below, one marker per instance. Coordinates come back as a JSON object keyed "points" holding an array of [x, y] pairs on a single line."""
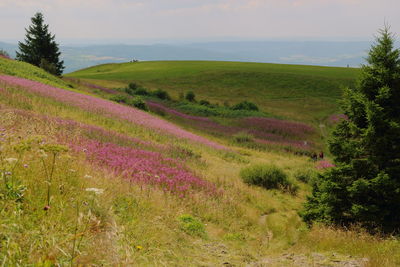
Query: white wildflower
{"points": [[88, 176], [97, 191]]}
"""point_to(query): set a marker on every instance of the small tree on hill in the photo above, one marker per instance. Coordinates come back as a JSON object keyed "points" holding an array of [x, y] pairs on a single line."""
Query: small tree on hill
{"points": [[190, 96], [40, 48], [364, 187]]}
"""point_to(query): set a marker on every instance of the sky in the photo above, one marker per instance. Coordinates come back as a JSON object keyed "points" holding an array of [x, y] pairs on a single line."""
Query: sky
{"points": [[119, 21]]}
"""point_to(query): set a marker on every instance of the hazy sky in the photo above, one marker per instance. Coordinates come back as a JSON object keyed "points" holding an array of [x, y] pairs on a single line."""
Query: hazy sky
{"points": [[196, 19]]}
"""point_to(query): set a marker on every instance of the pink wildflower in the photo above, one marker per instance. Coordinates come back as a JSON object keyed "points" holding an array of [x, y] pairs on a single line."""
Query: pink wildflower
{"points": [[324, 164]]}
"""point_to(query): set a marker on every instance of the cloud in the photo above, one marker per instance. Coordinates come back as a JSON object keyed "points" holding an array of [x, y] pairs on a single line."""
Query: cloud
{"points": [[118, 19]]}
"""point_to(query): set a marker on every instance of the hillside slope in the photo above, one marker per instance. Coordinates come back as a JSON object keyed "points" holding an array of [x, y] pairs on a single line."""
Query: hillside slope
{"points": [[83, 185], [308, 93]]}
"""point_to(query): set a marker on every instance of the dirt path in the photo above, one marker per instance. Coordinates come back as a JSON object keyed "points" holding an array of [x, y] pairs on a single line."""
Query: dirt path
{"points": [[313, 259]]}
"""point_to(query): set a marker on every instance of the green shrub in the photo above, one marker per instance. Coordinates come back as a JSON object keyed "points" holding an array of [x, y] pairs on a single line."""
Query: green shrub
{"points": [[129, 91], [138, 102], [135, 89], [142, 92], [190, 96], [307, 176], [119, 98], [192, 226], [133, 86], [245, 105], [161, 94], [267, 176], [243, 137], [205, 103]]}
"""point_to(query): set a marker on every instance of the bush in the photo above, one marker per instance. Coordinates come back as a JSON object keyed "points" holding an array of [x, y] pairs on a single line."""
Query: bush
{"points": [[119, 98], [245, 105], [190, 96], [139, 103], [134, 89], [133, 86], [307, 176], [205, 103], [142, 92], [267, 176], [129, 91], [161, 94]]}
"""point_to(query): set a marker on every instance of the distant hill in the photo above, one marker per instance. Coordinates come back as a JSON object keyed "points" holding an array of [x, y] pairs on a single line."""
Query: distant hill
{"points": [[9, 48], [323, 53], [82, 57], [326, 53]]}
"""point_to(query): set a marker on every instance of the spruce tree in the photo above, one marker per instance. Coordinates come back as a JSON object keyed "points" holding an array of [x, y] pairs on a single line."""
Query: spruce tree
{"points": [[364, 187], [40, 48]]}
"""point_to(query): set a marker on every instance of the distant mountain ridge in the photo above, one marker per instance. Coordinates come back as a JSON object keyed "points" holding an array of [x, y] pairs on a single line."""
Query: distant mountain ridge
{"points": [[324, 53]]}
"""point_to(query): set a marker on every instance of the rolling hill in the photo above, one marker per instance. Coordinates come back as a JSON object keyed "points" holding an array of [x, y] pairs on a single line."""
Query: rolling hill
{"points": [[308, 93]]}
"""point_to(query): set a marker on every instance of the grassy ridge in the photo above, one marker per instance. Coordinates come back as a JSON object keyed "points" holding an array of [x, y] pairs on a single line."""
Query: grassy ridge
{"points": [[27, 71], [307, 92]]}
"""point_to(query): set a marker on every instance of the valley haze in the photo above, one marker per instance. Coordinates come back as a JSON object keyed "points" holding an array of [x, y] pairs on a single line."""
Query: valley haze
{"points": [[323, 53]]}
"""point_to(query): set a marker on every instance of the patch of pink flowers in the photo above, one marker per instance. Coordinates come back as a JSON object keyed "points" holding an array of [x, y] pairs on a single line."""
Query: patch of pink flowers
{"points": [[4, 56], [127, 158], [278, 127], [324, 164], [106, 107], [265, 130], [101, 134], [198, 122], [143, 166]]}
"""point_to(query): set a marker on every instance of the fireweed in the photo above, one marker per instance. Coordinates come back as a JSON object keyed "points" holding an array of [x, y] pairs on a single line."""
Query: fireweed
{"points": [[265, 130], [67, 128], [132, 159], [324, 164], [95, 104], [142, 166]]}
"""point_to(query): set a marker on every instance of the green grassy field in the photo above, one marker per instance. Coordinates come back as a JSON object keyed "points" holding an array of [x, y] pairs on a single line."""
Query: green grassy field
{"points": [[307, 93]]}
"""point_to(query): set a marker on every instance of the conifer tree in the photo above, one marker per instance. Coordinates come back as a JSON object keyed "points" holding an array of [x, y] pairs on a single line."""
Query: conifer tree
{"points": [[364, 187], [40, 48]]}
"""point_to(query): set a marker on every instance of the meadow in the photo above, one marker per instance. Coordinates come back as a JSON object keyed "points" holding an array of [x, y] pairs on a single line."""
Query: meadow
{"points": [[86, 181], [308, 93]]}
